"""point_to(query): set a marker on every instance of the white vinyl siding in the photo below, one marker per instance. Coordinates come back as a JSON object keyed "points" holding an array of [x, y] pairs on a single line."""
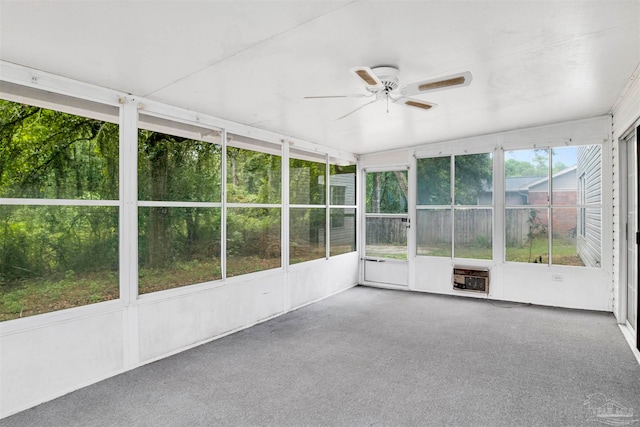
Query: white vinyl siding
{"points": [[589, 165], [626, 112]]}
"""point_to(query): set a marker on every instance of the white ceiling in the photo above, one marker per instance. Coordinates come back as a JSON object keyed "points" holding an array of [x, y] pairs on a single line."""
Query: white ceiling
{"points": [[533, 62]]}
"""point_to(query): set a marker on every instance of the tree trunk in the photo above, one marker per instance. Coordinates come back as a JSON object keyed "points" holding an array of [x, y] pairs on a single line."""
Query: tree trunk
{"points": [[191, 218], [402, 182], [159, 233], [375, 196], [234, 170]]}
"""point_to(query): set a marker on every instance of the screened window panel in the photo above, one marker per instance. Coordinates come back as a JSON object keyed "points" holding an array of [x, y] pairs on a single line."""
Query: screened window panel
{"points": [[387, 192], [386, 238], [473, 179], [589, 168], [564, 181], [571, 190], [343, 230], [57, 257], [307, 182], [177, 168], [569, 247], [564, 239], [342, 181], [433, 232], [473, 233], [253, 240], [434, 181], [527, 177], [253, 176], [307, 234], [178, 246], [48, 154], [526, 233]]}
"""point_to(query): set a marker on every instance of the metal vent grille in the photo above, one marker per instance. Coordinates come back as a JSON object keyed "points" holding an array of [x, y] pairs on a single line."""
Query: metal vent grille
{"points": [[390, 84], [471, 279]]}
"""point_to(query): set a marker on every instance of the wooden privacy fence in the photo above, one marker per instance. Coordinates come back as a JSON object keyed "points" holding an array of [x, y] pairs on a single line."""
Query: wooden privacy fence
{"points": [[434, 225], [471, 225], [384, 231]]}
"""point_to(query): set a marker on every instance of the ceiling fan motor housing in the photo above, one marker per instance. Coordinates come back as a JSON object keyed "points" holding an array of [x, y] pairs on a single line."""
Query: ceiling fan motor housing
{"points": [[388, 76]]}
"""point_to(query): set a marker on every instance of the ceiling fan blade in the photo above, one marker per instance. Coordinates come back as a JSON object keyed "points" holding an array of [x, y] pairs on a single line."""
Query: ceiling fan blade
{"points": [[357, 109], [366, 75], [447, 82], [415, 103], [355, 95]]}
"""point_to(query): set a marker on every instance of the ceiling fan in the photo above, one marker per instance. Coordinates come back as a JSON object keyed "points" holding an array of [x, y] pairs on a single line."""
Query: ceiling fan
{"points": [[382, 84]]}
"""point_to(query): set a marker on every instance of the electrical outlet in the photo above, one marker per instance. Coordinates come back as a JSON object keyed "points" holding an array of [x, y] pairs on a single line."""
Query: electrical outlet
{"points": [[557, 277]]}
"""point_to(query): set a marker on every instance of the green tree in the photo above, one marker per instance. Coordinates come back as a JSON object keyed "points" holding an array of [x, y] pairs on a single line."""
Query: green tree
{"points": [[386, 193], [55, 155], [537, 167], [172, 168], [473, 176], [50, 154]]}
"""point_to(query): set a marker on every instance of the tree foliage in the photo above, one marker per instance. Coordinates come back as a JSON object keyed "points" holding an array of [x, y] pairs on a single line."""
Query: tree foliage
{"points": [[385, 192], [538, 166], [54, 155], [472, 174], [64, 249], [50, 154]]}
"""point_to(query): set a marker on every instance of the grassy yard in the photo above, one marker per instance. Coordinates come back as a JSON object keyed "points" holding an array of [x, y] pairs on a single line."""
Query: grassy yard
{"points": [[43, 295], [387, 251], [564, 252]]}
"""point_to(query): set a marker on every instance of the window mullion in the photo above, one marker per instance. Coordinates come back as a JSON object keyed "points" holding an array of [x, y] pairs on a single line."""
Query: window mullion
{"points": [[452, 184], [550, 202], [223, 213], [327, 227]]}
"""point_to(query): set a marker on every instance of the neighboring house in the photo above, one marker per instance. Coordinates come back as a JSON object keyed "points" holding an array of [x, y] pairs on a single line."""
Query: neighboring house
{"points": [[579, 186], [564, 187], [517, 190], [343, 221], [534, 191], [341, 192]]}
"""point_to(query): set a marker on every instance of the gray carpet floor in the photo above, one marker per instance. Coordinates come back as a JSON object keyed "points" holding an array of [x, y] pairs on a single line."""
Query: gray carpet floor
{"points": [[374, 357]]}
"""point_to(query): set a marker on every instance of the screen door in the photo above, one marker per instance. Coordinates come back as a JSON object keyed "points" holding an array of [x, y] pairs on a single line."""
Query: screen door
{"points": [[386, 225]]}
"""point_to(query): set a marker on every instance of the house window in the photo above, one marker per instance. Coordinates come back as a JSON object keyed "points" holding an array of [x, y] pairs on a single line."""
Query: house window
{"points": [[455, 206], [553, 205]]}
